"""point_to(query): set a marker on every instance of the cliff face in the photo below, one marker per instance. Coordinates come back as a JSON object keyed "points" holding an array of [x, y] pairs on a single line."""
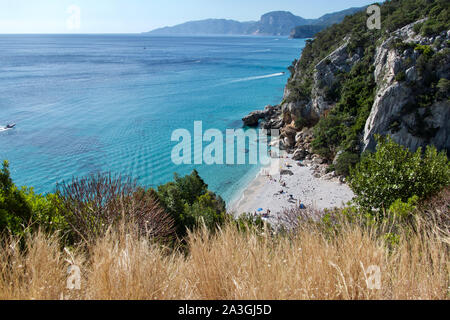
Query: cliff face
{"points": [[324, 77], [395, 83], [397, 75], [279, 23]]}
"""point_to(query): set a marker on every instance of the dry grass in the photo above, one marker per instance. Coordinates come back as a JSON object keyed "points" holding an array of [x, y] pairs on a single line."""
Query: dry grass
{"points": [[233, 265]]}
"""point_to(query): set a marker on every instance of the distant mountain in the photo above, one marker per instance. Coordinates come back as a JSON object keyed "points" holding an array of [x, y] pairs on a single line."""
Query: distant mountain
{"points": [[209, 26], [275, 23]]}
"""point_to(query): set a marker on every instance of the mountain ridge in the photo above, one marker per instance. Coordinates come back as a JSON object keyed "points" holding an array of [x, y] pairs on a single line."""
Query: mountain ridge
{"points": [[274, 23]]}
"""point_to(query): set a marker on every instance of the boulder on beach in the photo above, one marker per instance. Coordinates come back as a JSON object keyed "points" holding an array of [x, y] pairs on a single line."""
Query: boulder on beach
{"points": [[286, 172], [299, 154]]}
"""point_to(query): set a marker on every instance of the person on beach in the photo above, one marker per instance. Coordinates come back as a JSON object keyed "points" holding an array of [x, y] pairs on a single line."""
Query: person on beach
{"points": [[301, 205]]}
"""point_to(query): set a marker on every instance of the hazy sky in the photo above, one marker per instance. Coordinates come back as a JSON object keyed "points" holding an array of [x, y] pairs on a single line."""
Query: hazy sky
{"points": [[129, 16]]}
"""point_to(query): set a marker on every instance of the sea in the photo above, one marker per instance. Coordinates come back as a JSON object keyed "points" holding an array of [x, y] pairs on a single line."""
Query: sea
{"points": [[84, 104]]}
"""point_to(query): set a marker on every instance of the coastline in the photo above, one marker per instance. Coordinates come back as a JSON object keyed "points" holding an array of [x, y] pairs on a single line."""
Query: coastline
{"points": [[264, 190]]}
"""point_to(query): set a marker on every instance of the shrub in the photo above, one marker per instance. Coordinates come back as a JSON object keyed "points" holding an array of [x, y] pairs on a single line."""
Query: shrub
{"points": [[95, 203], [443, 87], [206, 210], [328, 135], [23, 210], [15, 211], [417, 27], [191, 204], [402, 209], [346, 161], [424, 49], [248, 222], [46, 214], [393, 172], [299, 90], [301, 123], [401, 76]]}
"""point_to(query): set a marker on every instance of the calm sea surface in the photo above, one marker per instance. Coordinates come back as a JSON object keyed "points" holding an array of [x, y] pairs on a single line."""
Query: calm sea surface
{"points": [[89, 103]]}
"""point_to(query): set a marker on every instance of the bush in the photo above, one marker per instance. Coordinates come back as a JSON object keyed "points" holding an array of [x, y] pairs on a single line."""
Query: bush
{"points": [[95, 203], [346, 161], [301, 123], [299, 90], [443, 87], [328, 135], [15, 211], [46, 214], [402, 209], [24, 210], [248, 222], [401, 76], [393, 172], [342, 128], [424, 49], [191, 204]]}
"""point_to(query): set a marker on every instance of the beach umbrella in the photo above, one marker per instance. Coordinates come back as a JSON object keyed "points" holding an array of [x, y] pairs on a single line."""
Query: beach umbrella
{"points": [[260, 209]]}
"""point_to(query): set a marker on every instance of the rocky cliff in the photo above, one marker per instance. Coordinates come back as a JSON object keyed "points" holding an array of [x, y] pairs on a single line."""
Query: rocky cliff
{"points": [[399, 77], [367, 84]]}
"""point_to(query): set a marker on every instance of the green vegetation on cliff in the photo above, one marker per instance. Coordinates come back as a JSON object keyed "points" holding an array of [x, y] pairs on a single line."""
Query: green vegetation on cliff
{"points": [[353, 94]]}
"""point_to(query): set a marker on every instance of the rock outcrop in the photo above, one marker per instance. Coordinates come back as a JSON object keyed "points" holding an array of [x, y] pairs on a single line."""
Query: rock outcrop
{"points": [[270, 117], [252, 120], [325, 77], [390, 115]]}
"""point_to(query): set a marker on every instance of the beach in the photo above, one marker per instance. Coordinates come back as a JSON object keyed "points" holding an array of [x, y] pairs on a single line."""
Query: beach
{"points": [[271, 191]]}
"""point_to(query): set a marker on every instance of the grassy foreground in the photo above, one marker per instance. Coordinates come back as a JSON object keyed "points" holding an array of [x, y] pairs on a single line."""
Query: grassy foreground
{"points": [[315, 261]]}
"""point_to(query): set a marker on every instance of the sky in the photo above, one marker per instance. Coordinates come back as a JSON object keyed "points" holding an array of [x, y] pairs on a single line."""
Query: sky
{"points": [[135, 16]]}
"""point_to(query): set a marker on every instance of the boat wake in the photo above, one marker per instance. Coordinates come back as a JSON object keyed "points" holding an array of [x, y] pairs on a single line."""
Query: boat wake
{"points": [[279, 74], [263, 50], [8, 127]]}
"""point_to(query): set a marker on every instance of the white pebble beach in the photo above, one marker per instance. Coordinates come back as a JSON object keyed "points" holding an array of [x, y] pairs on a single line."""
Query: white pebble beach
{"points": [[315, 193]]}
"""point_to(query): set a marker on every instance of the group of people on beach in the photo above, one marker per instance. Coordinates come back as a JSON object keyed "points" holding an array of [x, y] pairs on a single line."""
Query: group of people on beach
{"points": [[263, 215], [283, 184]]}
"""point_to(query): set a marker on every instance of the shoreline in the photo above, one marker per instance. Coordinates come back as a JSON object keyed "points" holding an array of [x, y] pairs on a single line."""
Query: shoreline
{"points": [[264, 191]]}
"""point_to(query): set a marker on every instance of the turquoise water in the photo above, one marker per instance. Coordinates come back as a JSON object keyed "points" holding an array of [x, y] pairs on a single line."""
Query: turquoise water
{"points": [[89, 103]]}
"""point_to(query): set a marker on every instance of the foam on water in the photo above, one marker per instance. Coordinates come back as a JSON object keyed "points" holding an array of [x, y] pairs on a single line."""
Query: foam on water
{"points": [[279, 74]]}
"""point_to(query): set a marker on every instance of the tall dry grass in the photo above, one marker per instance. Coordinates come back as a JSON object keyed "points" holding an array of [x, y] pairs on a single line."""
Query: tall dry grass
{"points": [[232, 264]]}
